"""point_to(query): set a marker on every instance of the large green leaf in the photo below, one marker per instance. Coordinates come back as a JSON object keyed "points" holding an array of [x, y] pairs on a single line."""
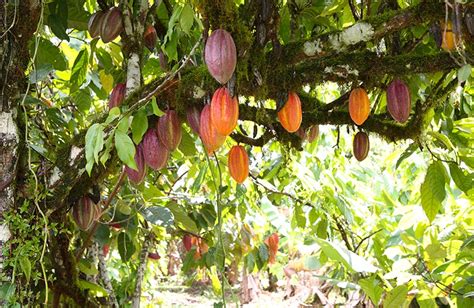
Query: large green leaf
{"points": [[396, 298], [79, 70], [182, 219], [350, 260], [139, 125], [94, 144], [372, 289], [433, 189], [158, 215], [125, 246], [464, 182], [125, 149], [49, 54]]}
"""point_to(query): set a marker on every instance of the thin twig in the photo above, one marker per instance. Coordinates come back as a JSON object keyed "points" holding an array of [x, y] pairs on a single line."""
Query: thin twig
{"points": [[366, 238]]}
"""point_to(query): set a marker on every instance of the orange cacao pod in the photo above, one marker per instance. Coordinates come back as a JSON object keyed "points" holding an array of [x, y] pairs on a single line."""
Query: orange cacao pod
{"points": [[224, 111], [359, 106], [95, 24], [449, 38], [361, 146], [398, 101], [85, 212], [111, 25], [290, 115], [272, 243], [211, 139], [238, 163], [154, 151], [136, 176], [169, 130], [220, 55]]}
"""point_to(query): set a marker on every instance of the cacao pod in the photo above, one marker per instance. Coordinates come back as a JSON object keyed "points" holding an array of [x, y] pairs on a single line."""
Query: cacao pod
{"points": [[150, 37], [238, 162], [224, 111], [169, 130], [211, 139], [220, 55], [116, 226], [85, 212], [154, 151], [112, 25], [154, 256], [301, 132], [359, 106], [469, 19], [193, 115], [187, 242], [361, 146], [117, 96], [136, 176], [398, 100], [105, 250], [448, 41], [272, 243], [95, 24], [312, 133], [290, 115]]}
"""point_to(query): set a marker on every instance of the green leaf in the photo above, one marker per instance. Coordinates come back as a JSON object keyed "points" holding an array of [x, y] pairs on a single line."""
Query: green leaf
{"points": [[125, 246], [139, 125], [396, 298], [462, 181], [464, 73], [372, 289], [95, 288], [125, 149], [186, 19], [79, 70], [49, 54], [349, 259], [25, 266], [263, 252], [102, 235], [408, 152], [57, 27], [182, 219], [433, 189], [187, 146], [113, 114], [158, 215], [94, 144], [87, 267]]}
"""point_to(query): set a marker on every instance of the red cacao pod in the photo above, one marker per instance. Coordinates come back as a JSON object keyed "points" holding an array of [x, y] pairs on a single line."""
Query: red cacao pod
{"points": [[112, 25], [105, 250], [238, 163], [169, 130], [150, 37], [398, 101], [116, 226], [469, 19], [290, 115], [193, 115], [117, 96], [361, 146], [211, 139], [224, 111], [312, 133], [136, 176], [154, 151], [85, 212], [187, 242], [359, 106], [95, 24], [272, 243], [220, 55], [154, 256]]}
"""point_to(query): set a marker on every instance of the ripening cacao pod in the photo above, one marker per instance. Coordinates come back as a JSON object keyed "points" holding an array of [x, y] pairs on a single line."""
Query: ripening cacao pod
{"points": [[95, 24], [301, 132], [116, 225], [224, 111], [220, 55], [272, 243], [154, 256], [117, 96], [85, 212], [361, 146], [238, 162], [136, 176], [112, 25], [312, 133], [398, 100], [154, 151], [150, 37], [448, 42], [290, 115], [193, 115], [359, 106], [469, 19], [187, 242], [105, 250], [169, 130], [211, 139]]}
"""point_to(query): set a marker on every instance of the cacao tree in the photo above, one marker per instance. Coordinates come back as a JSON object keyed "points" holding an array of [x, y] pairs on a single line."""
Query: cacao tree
{"points": [[245, 112]]}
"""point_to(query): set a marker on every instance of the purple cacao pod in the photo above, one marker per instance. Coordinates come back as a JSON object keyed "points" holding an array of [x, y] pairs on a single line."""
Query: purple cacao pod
{"points": [[169, 130], [469, 19], [398, 101], [312, 133], [220, 55], [154, 256], [85, 212], [117, 96], [112, 25], [136, 176], [154, 152], [95, 24], [150, 37], [361, 146], [301, 132], [193, 115]]}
